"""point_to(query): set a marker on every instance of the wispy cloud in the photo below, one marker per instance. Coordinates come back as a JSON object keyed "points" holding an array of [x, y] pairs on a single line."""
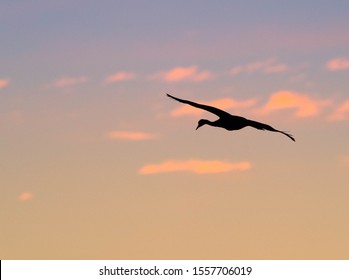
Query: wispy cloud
{"points": [[25, 196], [69, 81], [130, 135], [119, 77], [266, 66], [340, 113], [4, 83], [224, 103], [178, 74], [338, 64], [304, 105], [195, 166]]}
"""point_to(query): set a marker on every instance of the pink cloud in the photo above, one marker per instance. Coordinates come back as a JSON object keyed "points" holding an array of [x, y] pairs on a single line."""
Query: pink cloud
{"points": [[69, 81], [195, 166], [224, 103], [265, 66], [25, 196], [303, 105], [118, 77], [130, 135], [4, 83], [337, 64], [276, 68], [178, 74], [340, 113]]}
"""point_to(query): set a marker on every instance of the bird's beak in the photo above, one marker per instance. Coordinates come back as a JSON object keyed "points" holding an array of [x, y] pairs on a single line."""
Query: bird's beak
{"points": [[197, 127]]}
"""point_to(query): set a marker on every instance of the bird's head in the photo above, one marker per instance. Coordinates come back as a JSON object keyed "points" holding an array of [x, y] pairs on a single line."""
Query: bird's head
{"points": [[201, 123]]}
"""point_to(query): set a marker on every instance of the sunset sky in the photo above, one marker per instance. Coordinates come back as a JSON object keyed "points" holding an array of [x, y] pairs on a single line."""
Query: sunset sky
{"points": [[98, 163]]}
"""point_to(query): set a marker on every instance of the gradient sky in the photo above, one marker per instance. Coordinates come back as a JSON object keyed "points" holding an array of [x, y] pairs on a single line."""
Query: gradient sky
{"points": [[97, 163]]}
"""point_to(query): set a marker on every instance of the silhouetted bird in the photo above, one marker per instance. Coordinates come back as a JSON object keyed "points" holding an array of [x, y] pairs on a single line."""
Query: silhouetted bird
{"points": [[227, 121]]}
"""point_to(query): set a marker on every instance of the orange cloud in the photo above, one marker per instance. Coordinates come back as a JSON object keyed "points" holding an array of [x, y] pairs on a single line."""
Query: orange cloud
{"points": [[340, 113], [130, 135], [68, 82], [195, 166], [224, 103], [4, 83], [178, 74], [265, 66], [337, 64], [118, 77], [25, 196], [304, 105]]}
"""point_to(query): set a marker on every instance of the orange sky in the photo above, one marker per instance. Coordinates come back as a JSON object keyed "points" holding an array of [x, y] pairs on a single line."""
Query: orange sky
{"points": [[98, 163]]}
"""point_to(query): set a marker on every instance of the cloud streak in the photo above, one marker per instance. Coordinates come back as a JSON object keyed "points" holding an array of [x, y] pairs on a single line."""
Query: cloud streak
{"points": [[4, 83], [338, 64], [130, 135], [300, 104], [179, 74], [266, 66], [119, 77], [69, 81], [340, 113], [194, 166], [25, 196], [303, 105]]}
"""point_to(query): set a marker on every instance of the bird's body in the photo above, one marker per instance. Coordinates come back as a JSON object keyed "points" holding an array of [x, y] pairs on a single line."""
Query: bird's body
{"points": [[228, 121]]}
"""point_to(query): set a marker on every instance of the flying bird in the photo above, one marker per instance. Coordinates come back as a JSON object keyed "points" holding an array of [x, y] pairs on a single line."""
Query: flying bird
{"points": [[228, 121]]}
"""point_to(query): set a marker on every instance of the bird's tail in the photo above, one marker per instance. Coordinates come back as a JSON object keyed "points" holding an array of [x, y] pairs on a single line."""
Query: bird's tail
{"points": [[262, 126], [287, 134]]}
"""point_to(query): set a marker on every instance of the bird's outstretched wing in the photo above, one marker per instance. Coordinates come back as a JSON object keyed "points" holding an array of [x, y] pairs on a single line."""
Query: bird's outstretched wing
{"points": [[262, 126], [216, 111]]}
